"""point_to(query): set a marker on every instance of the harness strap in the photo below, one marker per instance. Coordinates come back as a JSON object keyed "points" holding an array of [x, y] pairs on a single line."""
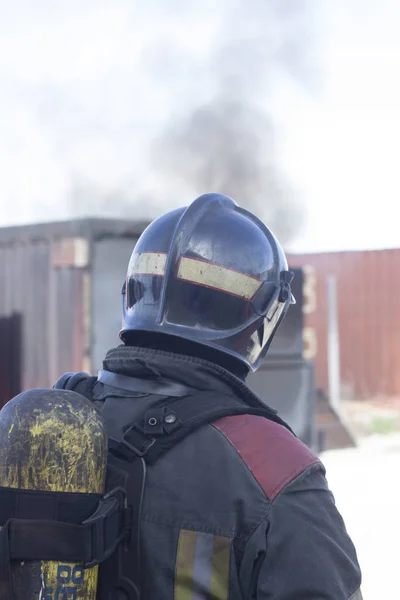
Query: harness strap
{"points": [[27, 533], [164, 426], [159, 386]]}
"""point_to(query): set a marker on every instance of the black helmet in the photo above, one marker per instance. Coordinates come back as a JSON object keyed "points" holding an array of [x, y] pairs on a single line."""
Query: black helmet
{"points": [[211, 273]]}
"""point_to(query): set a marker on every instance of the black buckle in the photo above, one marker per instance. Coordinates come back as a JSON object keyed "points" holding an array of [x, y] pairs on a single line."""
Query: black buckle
{"points": [[140, 453], [112, 503], [146, 442]]}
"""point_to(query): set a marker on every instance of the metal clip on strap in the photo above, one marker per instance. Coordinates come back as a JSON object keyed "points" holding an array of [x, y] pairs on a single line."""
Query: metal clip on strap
{"points": [[138, 445]]}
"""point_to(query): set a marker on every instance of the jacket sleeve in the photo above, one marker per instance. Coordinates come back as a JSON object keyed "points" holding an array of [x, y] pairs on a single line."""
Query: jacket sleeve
{"points": [[301, 550]]}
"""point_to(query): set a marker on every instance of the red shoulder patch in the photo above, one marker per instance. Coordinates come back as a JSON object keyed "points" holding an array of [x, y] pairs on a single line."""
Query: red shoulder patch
{"points": [[270, 451]]}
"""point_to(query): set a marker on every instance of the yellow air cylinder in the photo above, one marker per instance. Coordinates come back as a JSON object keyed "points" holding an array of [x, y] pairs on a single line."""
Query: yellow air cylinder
{"points": [[52, 440]]}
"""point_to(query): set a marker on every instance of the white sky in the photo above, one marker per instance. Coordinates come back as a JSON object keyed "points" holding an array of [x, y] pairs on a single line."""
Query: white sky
{"points": [[348, 147], [78, 100]]}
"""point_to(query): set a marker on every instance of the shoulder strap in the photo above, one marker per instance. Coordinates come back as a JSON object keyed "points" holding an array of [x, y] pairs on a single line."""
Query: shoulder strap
{"points": [[159, 386], [166, 424], [81, 382], [181, 411]]}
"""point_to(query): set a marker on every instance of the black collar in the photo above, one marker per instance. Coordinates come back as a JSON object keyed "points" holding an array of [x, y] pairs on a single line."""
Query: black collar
{"points": [[188, 370]]}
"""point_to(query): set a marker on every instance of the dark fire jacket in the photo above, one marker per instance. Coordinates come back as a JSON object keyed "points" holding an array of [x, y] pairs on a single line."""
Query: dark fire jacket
{"points": [[240, 509]]}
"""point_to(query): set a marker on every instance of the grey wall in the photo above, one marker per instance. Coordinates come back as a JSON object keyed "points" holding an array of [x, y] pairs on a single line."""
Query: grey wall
{"points": [[109, 265], [288, 386]]}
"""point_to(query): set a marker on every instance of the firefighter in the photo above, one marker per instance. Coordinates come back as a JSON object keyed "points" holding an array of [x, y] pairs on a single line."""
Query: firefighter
{"points": [[233, 506]]}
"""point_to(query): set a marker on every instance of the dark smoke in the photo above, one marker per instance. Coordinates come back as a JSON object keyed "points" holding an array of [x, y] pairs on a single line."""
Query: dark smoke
{"points": [[227, 144]]}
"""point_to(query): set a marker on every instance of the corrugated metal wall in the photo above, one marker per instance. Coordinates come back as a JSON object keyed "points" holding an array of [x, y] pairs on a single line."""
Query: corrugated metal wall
{"points": [[48, 295], [368, 314]]}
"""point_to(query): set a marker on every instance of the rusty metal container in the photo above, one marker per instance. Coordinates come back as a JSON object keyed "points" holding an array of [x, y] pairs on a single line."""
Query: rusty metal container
{"points": [[368, 317], [60, 286]]}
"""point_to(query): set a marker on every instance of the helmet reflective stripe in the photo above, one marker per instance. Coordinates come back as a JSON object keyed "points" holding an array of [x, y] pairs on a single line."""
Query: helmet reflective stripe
{"points": [[199, 272], [218, 277], [148, 263]]}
